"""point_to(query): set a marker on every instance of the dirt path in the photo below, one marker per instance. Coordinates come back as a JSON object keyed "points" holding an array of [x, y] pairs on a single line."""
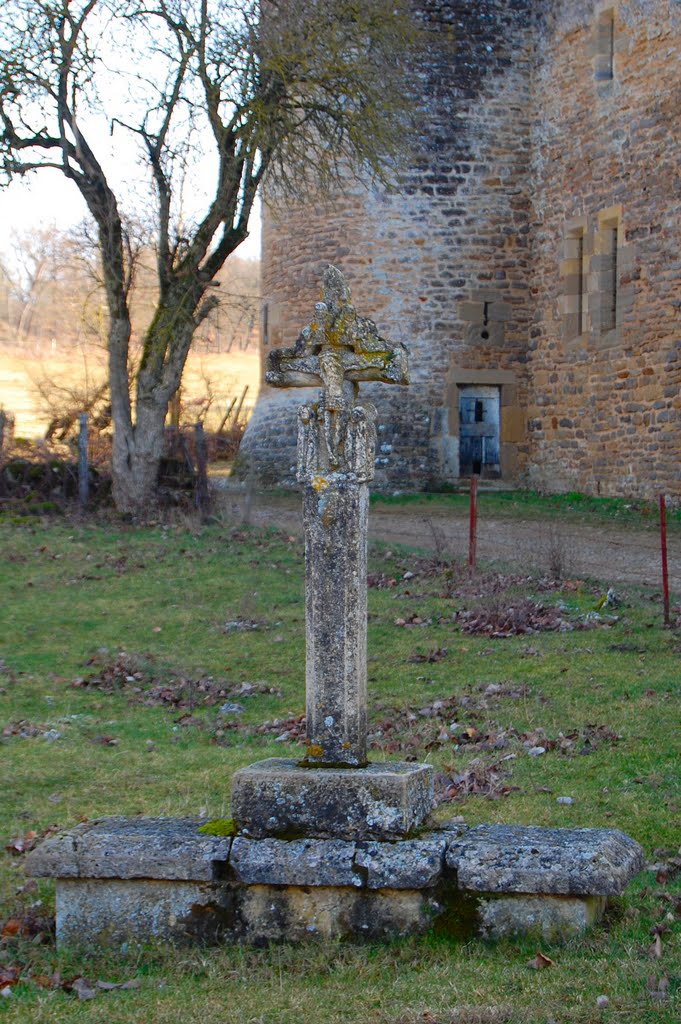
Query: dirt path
{"points": [[611, 554]]}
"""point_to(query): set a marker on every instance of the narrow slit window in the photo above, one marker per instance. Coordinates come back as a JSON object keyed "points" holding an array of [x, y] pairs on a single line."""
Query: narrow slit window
{"points": [[609, 295], [580, 284], [574, 267], [613, 282], [605, 47], [266, 324]]}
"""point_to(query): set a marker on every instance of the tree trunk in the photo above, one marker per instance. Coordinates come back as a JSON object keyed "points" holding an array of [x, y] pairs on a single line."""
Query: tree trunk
{"points": [[137, 454]]}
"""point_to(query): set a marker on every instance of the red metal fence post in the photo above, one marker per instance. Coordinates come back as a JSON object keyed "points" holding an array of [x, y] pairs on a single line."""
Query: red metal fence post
{"points": [[473, 525], [663, 547]]}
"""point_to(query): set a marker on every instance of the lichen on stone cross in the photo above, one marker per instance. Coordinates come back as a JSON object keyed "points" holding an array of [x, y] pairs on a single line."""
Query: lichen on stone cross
{"points": [[336, 351], [336, 452]]}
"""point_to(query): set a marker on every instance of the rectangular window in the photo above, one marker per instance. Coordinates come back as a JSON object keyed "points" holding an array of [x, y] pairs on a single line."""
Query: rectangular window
{"points": [[265, 324]]}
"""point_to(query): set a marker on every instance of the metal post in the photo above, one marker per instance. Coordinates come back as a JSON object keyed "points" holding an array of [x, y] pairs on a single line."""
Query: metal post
{"points": [[201, 469], [473, 525], [663, 548], [83, 468]]}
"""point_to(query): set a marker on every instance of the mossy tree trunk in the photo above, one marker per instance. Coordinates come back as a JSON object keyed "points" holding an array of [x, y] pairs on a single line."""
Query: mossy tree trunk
{"points": [[139, 442]]}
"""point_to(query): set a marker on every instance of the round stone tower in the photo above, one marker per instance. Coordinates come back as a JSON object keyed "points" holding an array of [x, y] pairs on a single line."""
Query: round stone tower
{"points": [[441, 264], [529, 260]]}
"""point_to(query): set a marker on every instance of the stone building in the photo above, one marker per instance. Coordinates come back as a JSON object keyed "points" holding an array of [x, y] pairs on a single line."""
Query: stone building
{"points": [[531, 260]]}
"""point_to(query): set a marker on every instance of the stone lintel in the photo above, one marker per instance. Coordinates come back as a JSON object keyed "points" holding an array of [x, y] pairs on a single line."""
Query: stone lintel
{"points": [[404, 864], [278, 797], [531, 859], [407, 864], [108, 911], [158, 848], [298, 862]]}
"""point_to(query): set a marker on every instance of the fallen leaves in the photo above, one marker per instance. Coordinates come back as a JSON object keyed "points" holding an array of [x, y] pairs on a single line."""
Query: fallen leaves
{"points": [[668, 867], [31, 924], [478, 778], [79, 986], [28, 730], [22, 844], [430, 658], [151, 686], [380, 580], [658, 988], [9, 976], [27, 842], [287, 730], [518, 616], [293, 728]]}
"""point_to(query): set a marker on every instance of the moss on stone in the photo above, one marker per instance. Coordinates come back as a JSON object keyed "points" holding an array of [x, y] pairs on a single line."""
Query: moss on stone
{"points": [[219, 827]]}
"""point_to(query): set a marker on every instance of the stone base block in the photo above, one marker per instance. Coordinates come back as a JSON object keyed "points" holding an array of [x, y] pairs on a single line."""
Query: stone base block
{"points": [[167, 848], [108, 912], [528, 858], [277, 797], [551, 918], [271, 914]]}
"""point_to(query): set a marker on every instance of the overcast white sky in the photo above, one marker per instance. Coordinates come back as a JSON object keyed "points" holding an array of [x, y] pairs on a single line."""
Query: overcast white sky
{"points": [[128, 71], [47, 199]]}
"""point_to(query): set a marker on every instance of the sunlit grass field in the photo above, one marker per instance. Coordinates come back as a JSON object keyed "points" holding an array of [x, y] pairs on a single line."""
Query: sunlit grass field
{"points": [[224, 375]]}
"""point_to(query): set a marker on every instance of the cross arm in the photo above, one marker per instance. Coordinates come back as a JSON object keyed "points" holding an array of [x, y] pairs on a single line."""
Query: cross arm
{"points": [[289, 368]]}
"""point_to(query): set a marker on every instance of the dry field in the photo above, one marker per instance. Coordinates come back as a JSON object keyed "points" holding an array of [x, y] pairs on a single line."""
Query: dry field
{"points": [[225, 374]]}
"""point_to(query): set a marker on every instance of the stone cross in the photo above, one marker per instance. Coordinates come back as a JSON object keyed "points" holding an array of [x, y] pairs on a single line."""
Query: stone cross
{"points": [[336, 446]]}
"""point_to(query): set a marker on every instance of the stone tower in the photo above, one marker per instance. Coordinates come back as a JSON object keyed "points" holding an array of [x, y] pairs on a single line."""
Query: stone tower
{"points": [[529, 261]]}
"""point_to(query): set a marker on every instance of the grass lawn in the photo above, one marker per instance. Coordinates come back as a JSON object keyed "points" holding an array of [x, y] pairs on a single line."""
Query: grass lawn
{"points": [[119, 647]]}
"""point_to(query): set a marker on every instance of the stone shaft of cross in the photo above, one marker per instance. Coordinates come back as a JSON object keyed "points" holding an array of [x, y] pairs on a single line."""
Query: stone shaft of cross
{"points": [[336, 446]]}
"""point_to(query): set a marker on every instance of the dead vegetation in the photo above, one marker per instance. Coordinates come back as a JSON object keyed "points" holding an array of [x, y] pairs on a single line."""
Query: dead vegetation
{"points": [[512, 617], [150, 685]]}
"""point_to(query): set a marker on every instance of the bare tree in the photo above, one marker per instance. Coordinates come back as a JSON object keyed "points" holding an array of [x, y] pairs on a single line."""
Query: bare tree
{"points": [[307, 93], [53, 293]]}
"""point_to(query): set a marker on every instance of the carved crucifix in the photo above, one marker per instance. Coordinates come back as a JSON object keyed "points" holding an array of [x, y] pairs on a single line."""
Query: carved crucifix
{"points": [[336, 448]]}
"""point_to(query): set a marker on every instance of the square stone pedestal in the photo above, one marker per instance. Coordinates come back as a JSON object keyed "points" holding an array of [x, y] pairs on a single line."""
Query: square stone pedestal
{"points": [[278, 797], [141, 879]]}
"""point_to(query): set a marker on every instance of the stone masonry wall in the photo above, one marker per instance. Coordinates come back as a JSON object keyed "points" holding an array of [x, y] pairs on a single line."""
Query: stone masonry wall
{"points": [[534, 246], [441, 265], [604, 412]]}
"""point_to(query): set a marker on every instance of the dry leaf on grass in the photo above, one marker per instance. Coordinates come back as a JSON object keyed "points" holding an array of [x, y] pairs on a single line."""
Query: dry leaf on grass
{"points": [[540, 962], [27, 842], [110, 986], [83, 989]]}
